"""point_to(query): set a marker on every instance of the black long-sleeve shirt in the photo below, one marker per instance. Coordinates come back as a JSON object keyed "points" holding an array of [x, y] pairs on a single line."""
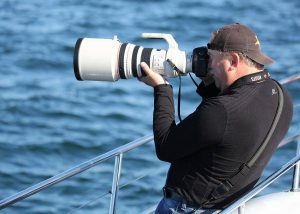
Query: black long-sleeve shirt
{"points": [[213, 142]]}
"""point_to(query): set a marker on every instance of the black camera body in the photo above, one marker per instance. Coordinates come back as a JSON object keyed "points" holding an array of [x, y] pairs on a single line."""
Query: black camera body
{"points": [[200, 61]]}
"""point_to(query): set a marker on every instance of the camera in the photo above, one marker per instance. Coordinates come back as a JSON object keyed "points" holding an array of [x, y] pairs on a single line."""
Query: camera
{"points": [[110, 60]]}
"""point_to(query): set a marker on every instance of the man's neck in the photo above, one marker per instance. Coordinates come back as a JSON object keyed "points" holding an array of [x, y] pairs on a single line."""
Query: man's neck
{"points": [[243, 71]]}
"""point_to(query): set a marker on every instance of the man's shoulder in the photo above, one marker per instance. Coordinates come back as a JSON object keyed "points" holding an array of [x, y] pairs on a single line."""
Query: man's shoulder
{"points": [[215, 104]]}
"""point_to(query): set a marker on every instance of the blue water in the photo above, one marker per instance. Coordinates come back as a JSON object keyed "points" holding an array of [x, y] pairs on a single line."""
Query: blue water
{"points": [[50, 122]]}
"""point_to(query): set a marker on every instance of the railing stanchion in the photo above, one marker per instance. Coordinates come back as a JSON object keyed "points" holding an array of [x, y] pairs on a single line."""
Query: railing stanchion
{"points": [[115, 183], [241, 209], [296, 176], [261, 186]]}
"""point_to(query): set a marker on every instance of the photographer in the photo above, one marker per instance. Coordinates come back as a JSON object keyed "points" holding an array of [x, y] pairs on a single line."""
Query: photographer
{"points": [[209, 147]]}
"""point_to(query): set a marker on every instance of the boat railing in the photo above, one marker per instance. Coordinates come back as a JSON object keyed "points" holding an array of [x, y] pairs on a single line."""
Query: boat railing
{"points": [[117, 153], [294, 162]]}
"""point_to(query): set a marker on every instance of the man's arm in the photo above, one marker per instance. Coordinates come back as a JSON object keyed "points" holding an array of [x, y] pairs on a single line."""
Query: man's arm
{"points": [[203, 128]]}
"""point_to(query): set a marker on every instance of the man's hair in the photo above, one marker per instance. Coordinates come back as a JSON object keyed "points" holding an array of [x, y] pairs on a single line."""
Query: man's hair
{"points": [[250, 62], [245, 59]]}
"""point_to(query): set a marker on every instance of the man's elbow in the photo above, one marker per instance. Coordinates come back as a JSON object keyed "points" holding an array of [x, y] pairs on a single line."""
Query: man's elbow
{"points": [[164, 156]]}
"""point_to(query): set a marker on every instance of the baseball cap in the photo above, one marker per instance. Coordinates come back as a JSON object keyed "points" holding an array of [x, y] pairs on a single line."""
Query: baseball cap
{"points": [[239, 38]]}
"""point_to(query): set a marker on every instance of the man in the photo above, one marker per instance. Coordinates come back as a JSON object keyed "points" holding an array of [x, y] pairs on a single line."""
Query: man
{"points": [[239, 105]]}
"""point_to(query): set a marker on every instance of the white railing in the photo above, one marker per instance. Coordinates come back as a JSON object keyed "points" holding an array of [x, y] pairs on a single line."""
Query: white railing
{"points": [[118, 155], [295, 162]]}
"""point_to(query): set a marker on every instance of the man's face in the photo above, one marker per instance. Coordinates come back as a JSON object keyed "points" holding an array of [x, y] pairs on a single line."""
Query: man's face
{"points": [[217, 67]]}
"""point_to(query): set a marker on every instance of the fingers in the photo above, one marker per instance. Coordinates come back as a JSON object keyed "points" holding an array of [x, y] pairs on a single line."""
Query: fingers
{"points": [[146, 68], [153, 79]]}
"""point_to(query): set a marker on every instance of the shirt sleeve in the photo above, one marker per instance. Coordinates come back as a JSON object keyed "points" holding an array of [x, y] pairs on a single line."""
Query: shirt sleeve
{"points": [[203, 128]]}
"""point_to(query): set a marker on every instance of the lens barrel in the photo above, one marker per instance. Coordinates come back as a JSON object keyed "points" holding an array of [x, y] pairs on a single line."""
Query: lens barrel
{"points": [[108, 60], [130, 57]]}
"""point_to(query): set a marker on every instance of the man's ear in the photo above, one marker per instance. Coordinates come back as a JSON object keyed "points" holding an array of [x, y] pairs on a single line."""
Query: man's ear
{"points": [[235, 60]]}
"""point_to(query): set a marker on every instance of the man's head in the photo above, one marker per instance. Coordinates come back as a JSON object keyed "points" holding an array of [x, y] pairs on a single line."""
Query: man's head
{"points": [[234, 52]]}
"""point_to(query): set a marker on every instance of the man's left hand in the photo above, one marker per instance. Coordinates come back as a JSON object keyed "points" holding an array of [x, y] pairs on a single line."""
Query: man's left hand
{"points": [[152, 79]]}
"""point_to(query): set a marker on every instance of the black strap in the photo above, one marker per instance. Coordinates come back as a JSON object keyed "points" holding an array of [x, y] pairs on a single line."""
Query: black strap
{"points": [[179, 73], [227, 185]]}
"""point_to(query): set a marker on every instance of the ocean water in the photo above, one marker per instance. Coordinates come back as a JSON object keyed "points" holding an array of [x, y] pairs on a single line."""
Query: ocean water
{"points": [[50, 122]]}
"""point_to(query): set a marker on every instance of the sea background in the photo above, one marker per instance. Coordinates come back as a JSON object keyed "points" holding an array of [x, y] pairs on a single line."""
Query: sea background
{"points": [[50, 122]]}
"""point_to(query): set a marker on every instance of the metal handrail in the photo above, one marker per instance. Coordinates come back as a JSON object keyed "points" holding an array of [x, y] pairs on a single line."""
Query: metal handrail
{"points": [[117, 153], [288, 140], [91, 163], [269, 180], [74, 171], [296, 177], [290, 79]]}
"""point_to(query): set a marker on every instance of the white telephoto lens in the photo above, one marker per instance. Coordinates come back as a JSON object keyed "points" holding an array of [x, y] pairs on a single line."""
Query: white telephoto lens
{"points": [[96, 59], [110, 60]]}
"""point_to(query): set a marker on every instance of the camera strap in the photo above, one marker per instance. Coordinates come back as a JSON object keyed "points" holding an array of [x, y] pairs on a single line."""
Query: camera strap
{"points": [[225, 186], [179, 72]]}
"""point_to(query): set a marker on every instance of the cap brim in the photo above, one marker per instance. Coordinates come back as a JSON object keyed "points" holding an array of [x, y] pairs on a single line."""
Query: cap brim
{"points": [[260, 58]]}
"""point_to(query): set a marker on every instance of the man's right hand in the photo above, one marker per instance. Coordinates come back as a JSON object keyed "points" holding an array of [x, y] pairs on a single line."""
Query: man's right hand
{"points": [[152, 79]]}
